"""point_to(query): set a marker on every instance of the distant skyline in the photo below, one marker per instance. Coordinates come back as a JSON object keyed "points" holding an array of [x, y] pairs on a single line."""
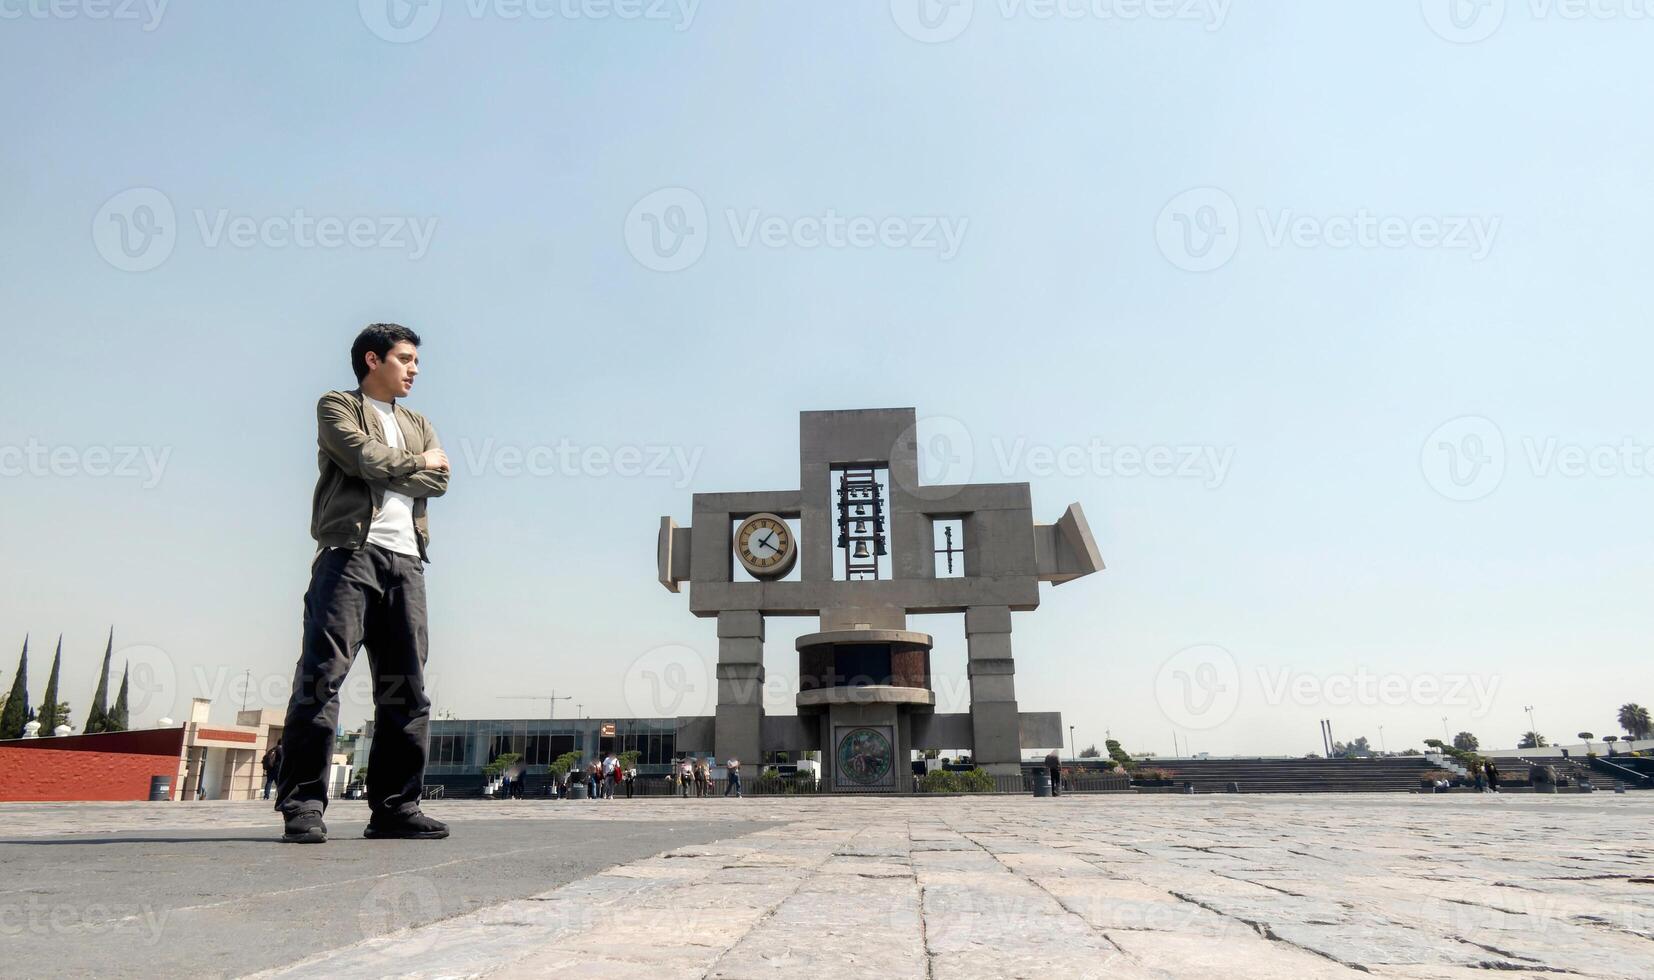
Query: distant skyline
{"points": [[1330, 316]]}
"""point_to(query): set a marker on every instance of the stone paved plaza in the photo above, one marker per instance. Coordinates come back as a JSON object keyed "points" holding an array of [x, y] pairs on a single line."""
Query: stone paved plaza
{"points": [[1106, 886]]}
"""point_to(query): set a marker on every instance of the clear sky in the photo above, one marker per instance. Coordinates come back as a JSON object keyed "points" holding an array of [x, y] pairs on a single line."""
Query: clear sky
{"points": [[1372, 278]]}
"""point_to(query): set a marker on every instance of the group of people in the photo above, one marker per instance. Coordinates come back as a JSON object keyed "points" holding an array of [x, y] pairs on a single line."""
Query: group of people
{"points": [[604, 778], [697, 772], [607, 778]]}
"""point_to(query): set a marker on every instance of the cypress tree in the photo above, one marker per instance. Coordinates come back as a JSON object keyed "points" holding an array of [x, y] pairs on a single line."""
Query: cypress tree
{"points": [[118, 721], [17, 710], [97, 717], [48, 707]]}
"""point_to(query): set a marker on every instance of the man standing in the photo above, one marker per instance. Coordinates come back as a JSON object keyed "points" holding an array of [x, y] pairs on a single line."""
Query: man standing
{"points": [[379, 463], [272, 766], [1053, 766]]}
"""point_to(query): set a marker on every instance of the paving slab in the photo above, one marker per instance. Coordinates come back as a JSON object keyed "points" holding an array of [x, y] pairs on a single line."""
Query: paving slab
{"points": [[1312, 886]]}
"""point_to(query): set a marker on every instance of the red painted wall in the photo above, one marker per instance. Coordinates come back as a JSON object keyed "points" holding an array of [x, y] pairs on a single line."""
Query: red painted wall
{"points": [[116, 766]]}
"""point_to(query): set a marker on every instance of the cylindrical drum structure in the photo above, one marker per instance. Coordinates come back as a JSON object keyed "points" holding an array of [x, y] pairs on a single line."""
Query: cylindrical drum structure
{"points": [[847, 659], [862, 688], [160, 789]]}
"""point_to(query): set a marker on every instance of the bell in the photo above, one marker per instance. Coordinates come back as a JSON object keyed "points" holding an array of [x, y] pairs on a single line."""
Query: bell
{"points": [[861, 527], [861, 550], [861, 509]]}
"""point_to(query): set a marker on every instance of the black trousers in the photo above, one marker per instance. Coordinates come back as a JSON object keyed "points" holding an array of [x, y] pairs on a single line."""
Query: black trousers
{"points": [[375, 599]]}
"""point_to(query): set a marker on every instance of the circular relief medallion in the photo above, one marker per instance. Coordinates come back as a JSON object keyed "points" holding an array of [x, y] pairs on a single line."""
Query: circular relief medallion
{"points": [[865, 756]]}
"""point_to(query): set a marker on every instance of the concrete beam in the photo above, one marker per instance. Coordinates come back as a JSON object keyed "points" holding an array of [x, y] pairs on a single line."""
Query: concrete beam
{"points": [[1041, 729], [695, 733], [1066, 550], [744, 623], [709, 596], [988, 619]]}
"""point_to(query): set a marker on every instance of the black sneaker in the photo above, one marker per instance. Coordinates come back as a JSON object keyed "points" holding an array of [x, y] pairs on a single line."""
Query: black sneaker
{"points": [[412, 826], [305, 827]]}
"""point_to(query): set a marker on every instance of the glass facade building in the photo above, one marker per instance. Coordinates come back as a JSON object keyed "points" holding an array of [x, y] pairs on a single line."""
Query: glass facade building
{"points": [[461, 748]]}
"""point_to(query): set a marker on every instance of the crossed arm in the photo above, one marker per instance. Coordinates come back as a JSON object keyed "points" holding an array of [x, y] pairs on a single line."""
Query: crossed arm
{"points": [[381, 465]]}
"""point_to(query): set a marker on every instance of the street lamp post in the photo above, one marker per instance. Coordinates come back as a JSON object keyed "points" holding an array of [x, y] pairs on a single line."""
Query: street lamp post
{"points": [[1071, 756]]}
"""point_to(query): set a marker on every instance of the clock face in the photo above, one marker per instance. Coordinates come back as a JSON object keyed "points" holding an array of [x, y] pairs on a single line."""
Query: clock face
{"points": [[765, 546]]}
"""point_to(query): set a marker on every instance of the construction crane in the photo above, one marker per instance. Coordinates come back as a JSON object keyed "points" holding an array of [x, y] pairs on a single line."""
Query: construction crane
{"points": [[550, 699]]}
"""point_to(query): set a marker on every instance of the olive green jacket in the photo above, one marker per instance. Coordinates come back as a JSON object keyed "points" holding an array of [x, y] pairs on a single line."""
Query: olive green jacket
{"points": [[358, 466]]}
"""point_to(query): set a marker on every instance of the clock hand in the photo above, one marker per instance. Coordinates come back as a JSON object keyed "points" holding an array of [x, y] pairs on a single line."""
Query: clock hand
{"points": [[766, 540]]}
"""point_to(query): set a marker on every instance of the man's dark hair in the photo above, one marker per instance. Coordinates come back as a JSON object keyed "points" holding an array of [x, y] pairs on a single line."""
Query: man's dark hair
{"points": [[379, 338]]}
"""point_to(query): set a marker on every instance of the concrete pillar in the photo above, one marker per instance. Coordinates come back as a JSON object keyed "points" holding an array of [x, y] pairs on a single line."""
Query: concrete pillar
{"points": [[739, 723], [995, 723]]}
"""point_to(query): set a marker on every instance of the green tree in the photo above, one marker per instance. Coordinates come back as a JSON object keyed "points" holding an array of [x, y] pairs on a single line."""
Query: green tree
{"points": [[1358, 749], [48, 717], [628, 759], [502, 763], [1532, 740], [1090, 752], [939, 781], [118, 719], [1466, 741], [61, 713], [1634, 719], [17, 713], [563, 763], [1119, 755], [97, 716]]}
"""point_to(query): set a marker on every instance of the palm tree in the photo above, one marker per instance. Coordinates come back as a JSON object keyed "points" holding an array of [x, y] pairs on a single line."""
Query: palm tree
{"points": [[1634, 719], [1466, 741], [1532, 740]]}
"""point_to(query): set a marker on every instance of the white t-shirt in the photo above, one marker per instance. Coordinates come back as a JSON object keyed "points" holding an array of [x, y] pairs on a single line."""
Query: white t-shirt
{"points": [[393, 527]]}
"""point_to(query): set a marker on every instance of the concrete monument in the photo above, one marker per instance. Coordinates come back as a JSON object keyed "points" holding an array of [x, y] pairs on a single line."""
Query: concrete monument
{"points": [[870, 547]]}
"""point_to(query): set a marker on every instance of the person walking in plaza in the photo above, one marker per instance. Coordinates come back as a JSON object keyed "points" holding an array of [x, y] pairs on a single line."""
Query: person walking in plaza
{"points": [[734, 766], [1492, 777], [1053, 765], [379, 463], [631, 782], [701, 777], [686, 772], [272, 766], [610, 766]]}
